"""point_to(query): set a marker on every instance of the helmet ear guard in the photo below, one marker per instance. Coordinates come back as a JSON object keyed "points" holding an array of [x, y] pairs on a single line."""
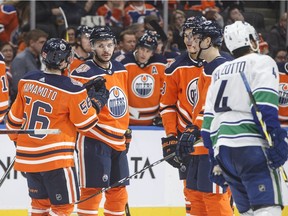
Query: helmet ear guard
{"points": [[239, 34], [55, 51]]}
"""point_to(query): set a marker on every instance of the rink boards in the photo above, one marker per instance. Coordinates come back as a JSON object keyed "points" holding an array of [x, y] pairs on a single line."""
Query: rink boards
{"points": [[155, 192]]}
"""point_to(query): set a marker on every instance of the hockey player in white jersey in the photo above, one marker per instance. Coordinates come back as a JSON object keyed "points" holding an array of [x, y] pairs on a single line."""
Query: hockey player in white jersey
{"points": [[249, 165]]}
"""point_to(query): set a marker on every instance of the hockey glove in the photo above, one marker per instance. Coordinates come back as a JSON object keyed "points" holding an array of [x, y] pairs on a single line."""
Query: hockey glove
{"points": [[278, 153], [97, 83], [99, 98], [187, 140], [128, 138], [169, 147], [157, 121], [215, 174]]}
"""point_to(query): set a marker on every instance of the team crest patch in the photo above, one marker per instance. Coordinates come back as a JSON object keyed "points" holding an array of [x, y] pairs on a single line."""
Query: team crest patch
{"points": [[143, 85], [75, 82], [117, 102], [283, 94], [82, 68], [192, 92]]}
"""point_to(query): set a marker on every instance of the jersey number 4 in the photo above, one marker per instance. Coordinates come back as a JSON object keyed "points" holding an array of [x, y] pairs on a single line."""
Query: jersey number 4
{"points": [[221, 101]]}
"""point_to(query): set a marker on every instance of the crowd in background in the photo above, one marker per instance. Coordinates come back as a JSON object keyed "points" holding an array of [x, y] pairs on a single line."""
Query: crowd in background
{"points": [[127, 19]]}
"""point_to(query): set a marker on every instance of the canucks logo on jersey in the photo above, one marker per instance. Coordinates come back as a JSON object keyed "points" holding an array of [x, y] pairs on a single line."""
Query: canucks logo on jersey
{"points": [[117, 102], [192, 92], [143, 85]]}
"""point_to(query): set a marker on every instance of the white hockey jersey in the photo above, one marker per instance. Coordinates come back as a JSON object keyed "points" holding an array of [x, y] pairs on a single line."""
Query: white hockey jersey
{"points": [[229, 118]]}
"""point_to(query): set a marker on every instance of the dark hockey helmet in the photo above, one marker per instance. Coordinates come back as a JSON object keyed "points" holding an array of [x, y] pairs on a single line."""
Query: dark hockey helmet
{"points": [[83, 30], [54, 51], [192, 22], [102, 33], [210, 29], [149, 40]]}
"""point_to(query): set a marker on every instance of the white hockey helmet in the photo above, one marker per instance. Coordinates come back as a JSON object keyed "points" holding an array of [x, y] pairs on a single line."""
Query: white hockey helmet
{"points": [[238, 35]]}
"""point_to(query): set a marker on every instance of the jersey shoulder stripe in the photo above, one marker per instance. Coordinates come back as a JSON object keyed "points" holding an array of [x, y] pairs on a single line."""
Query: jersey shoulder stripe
{"points": [[60, 82], [181, 61]]}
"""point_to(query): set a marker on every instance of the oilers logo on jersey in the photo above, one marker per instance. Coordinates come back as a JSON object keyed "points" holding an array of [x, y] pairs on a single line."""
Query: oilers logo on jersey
{"points": [[283, 94], [143, 85], [117, 102], [192, 92]]}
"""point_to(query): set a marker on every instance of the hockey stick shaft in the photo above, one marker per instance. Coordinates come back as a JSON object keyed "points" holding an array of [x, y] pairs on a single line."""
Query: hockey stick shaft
{"points": [[7, 171], [65, 23], [30, 131], [262, 123], [127, 210], [118, 183]]}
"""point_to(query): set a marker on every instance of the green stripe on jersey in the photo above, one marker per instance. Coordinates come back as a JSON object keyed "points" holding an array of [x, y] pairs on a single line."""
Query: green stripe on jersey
{"points": [[266, 97]]}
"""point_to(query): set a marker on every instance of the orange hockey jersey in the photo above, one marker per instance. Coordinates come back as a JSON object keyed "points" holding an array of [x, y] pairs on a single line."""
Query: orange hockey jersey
{"points": [[283, 93], [49, 101], [179, 93], [114, 117], [144, 88], [4, 96]]}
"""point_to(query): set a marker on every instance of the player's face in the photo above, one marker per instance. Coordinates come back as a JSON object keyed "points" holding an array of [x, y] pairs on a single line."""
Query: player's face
{"points": [[86, 43], [103, 49], [191, 42], [144, 54]]}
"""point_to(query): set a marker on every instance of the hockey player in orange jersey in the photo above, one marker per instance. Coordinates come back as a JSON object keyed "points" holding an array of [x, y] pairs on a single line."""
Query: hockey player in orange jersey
{"points": [[145, 79], [82, 51], [283, 93], [102, 151], [47, 99], [4, 95], [207, 198], [179, 97]]}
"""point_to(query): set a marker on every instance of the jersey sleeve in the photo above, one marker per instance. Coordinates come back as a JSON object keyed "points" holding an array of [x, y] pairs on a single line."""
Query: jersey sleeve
{"points": [[4, 96], [82, 114], [168, 102], [264, 83]]}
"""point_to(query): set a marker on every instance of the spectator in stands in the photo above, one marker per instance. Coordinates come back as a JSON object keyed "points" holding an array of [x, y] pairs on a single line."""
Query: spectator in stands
{"points": [[177, 20], [136, 11], [113, 12], [263, 45], [127, 43], [28, 59], [214, 15], [234, 14], [74, 10], [69, 35], [277, 37], [47, 15], [138, 29], [280, 55]]}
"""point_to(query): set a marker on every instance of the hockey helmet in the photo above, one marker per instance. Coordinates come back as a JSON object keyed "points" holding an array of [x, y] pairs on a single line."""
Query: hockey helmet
{"points": [[149, 40], [192, 22], [83, 30], [54, 51], [102, 33], [238, 35], [210, 29]]}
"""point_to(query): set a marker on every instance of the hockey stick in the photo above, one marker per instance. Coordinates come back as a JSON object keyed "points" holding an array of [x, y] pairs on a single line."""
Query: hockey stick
{"points": [[30, 131], [118, 183], [262, 123], [65, 23], [159, 30], [127, 210], [7, 171]]}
